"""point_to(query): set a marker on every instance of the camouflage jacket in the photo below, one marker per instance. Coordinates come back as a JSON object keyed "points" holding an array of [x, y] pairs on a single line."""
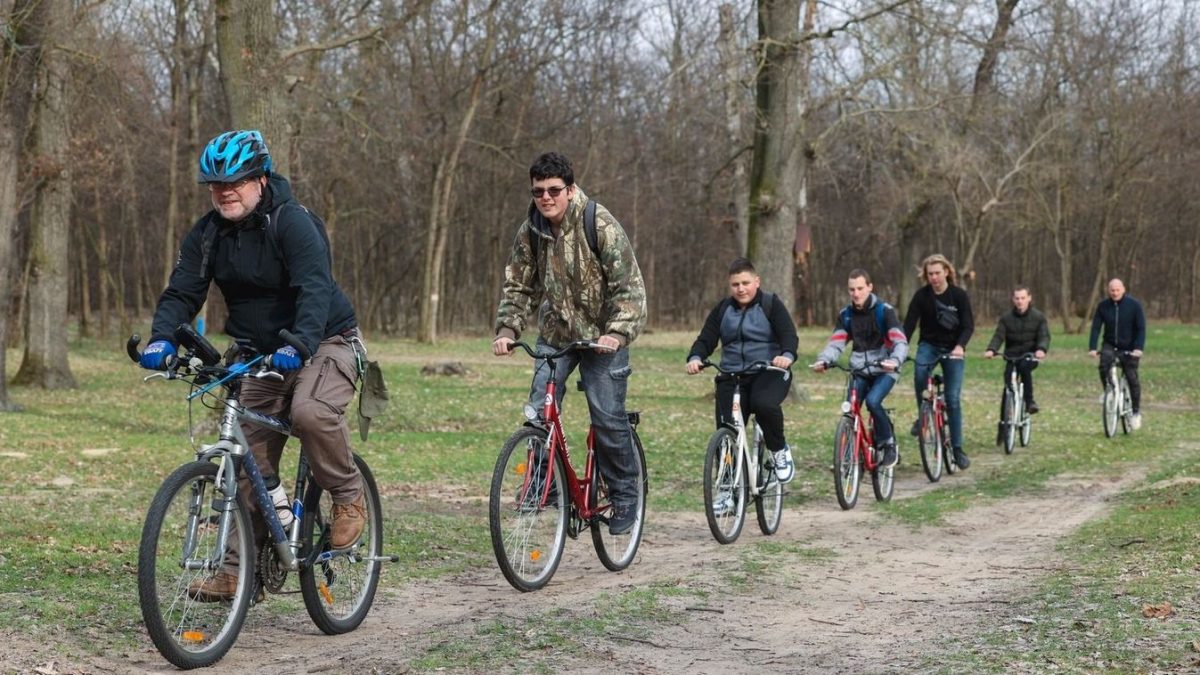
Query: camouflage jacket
{"points": [[578, 296]]}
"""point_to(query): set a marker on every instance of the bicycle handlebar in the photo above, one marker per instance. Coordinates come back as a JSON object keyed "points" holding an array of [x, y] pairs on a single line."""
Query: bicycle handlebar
{"points": [[861, 370], [574, 346], [943, 357], [198, 353], [756, 367], [1027, 356]]}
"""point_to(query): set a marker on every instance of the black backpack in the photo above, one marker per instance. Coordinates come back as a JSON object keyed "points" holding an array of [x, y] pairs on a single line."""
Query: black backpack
{"points": [[210, 236]]}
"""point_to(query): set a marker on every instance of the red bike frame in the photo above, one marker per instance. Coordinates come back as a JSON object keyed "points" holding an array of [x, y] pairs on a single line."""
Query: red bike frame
{"points": [[864, 432]]}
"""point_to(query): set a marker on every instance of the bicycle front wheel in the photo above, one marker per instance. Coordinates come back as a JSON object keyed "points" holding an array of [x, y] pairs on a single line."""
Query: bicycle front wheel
{"points": [[1008, 419], [930, 442], [527, 518], [1026, 428], [769, 503], [947, 447], [724, 487], [846, 470], [1111, 405], [339, 586], [1126, 408], [177, 555], [617, 551]]}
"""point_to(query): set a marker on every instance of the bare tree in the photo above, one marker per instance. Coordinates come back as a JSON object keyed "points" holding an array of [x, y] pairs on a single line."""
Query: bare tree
{"points": [[45, 360]]}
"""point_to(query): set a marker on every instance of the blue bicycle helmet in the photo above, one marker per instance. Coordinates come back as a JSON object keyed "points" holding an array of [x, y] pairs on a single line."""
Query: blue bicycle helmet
{"points": [[234, 155]]}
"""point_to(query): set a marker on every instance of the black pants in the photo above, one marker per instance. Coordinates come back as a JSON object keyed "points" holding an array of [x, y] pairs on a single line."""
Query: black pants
{"points": [[1025, 368], [1129, 364], [762, 395]]}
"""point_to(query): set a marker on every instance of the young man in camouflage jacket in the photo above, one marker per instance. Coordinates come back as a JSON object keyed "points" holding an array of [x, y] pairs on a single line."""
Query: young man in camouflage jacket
{"points": [[580, 294]]}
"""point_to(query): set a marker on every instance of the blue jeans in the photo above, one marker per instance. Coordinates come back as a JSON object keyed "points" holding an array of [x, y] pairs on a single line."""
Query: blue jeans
{"points": [[872, 391], [952, 376], [604, 377]]}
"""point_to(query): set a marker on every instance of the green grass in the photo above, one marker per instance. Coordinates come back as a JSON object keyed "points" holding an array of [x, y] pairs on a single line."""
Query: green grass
{"points": [[81, 466]]}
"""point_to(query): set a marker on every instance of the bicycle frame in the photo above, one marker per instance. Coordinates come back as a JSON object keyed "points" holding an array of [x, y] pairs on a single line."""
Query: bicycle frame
{"points": [[864, 431], [744, 456]]}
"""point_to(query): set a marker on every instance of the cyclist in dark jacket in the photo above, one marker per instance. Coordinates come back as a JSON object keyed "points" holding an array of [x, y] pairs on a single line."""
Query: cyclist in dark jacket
{"points": [[272, 275], [749, 331], [1021, 331], [1124, 324]]}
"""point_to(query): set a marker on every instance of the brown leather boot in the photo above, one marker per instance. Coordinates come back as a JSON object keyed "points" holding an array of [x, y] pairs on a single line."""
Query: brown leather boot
{"points": [[349, 520], [218, 588]]}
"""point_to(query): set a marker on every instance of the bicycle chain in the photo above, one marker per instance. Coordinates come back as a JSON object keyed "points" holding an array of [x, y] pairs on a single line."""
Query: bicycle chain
{"points": [[272, 574]]}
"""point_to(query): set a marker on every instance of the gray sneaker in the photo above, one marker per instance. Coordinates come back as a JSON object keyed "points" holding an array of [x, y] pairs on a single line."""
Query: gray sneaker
{"points": [[784, 467], [622, 519]]}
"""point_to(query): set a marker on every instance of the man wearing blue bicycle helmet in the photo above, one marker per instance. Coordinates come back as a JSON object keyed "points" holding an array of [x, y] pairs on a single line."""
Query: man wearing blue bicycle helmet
{"points": [[271, 259]]}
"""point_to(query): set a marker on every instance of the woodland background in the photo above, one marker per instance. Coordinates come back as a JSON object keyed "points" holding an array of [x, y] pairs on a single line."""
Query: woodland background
{"points": [[1051, 143]]}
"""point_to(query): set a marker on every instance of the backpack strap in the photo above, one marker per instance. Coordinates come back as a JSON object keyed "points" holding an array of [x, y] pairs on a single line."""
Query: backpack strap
{"points": [[206, 246], [767, 303], [880, 314], [589, 232]]}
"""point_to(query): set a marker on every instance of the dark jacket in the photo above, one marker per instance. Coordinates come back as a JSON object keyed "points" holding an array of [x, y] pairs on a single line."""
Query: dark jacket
{"points": [[262, 292], [1021, 333], [870, 343], [923, 309], [746, 334], [1124, 324]]}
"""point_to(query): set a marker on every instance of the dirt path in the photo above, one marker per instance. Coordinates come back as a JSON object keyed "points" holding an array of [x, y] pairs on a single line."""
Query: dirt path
{"points": [[874, 598]]}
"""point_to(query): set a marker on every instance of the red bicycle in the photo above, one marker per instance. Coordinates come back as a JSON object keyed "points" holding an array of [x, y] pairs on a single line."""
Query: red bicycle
{"points": [[934, 429], [854, 448], [537, 499]]}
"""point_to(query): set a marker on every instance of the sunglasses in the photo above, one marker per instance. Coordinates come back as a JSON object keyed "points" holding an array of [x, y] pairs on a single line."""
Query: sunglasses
{"points": [[553, 191]]}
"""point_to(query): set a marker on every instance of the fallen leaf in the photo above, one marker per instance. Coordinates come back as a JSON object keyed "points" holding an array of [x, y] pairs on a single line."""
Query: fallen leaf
{"points": [[1159, 611]]}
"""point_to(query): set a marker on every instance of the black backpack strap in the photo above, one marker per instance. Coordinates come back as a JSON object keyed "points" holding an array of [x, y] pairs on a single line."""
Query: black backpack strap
{"points": [[767, 303], [206, 246], [589, 227]]}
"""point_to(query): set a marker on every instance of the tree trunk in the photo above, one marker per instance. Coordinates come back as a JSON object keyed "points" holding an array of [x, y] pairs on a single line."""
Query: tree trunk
{"points": [[250, 73], [45, 360], [19, 55], [739, 201], [777, 175]]}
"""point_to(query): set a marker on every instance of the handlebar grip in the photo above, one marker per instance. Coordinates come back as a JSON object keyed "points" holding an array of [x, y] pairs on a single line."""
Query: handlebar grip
{"points": [[288, 337], [131, 348]]}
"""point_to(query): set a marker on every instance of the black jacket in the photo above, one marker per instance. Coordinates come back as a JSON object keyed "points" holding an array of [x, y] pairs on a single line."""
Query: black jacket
{"points": [[1124, 324], [747, 334], [922, 309], [1021, 333], [262, 292]]}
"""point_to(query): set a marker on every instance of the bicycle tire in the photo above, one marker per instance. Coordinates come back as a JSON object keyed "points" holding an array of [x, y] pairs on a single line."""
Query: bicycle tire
{"points": [[1009, 417], [947, 447], [1026, 428], [1109, 413], [338, 591], [189, 632], [1126, 408], [930, 444], [847, 471], [721, 476], [617, 551], [527, 536], [768, 505]]}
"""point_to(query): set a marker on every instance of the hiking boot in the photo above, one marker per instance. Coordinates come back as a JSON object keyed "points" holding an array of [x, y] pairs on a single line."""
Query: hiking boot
{"points": [[349, 520], [218, 588], [784, 467], [1135, 421], [890, 456], [723, 503], [622, 518], [961, 459], [1032, 408]]}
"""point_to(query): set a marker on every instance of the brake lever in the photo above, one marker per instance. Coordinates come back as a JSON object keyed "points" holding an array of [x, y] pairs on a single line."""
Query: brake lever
{"points": [[268, 375]]}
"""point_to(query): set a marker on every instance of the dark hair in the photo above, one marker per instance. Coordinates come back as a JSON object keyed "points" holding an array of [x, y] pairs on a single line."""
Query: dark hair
{"points": [[1021, 287], [859, 272], [552, 165], [740, 265]]}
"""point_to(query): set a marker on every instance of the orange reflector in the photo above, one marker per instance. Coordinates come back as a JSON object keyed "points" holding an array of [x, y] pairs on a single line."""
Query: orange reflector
{"points": [[520, 469], [534, 555], [192, 636], [325, 593]]}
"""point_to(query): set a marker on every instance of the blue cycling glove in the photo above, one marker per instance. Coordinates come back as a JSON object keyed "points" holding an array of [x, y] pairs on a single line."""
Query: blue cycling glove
{"points": [[286, 359], [156, 354]]}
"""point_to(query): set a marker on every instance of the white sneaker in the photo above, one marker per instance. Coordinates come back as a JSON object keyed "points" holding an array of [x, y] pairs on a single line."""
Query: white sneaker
{"points": [[784, 468], [1135, 421], [723, 503]]}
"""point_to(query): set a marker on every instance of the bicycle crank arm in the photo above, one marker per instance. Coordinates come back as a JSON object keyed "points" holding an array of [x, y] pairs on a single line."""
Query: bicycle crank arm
{"points": [[382, 558]]}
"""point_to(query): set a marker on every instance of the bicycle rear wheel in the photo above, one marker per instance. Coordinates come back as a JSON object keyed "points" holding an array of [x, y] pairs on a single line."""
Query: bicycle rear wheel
{"points": [[617, 551], [724, 487], [947, 447], [1008, 418], [931, 445], [177, 554], [339, 587], [1126, 408], [528, 522], [1026, 428], [769, 502], [846, 468], [1110, 411]]}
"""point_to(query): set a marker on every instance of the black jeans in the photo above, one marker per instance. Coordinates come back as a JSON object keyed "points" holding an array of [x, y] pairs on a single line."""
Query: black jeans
{"points": [[762, 395], [1129, 364], [1025, 368]]}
